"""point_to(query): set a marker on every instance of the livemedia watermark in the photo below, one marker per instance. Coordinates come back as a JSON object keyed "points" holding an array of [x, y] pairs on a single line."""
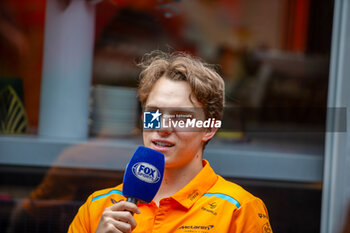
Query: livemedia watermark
{"points": [[249, 119], [178, 118]]}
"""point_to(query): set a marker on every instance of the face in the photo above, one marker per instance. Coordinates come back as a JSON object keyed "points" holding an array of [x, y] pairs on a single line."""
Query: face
{"points": [[178, 146]]}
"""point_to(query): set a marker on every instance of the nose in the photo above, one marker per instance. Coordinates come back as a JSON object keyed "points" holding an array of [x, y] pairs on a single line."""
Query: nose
{"points": [[164, 132]]}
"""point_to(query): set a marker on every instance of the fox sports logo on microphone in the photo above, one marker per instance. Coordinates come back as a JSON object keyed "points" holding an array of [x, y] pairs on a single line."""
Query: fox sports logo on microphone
{"points": [[146, 172]]}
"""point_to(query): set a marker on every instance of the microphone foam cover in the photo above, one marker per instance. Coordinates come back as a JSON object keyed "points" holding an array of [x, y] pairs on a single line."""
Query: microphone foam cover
{"points": [[143, 174]]}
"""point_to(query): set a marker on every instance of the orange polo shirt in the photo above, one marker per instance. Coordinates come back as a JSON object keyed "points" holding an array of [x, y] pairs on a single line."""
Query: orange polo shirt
{"points": [[207, 204]]}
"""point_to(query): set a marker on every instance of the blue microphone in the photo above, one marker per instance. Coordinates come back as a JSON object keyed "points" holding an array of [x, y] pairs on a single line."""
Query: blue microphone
{"points": [[143, 175]]}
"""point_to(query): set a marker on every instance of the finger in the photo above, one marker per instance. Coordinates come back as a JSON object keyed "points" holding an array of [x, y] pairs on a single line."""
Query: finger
{"points": [[108, 224], [123, 226], [123, 205], [124, 216], [115, 226]]}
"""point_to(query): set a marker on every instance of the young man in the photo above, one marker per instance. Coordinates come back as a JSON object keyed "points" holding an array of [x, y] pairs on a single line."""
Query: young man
{"points": [[192, 198]]}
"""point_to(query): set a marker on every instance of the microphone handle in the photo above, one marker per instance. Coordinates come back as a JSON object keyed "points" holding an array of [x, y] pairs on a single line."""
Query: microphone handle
{"points": [[132, 200]]}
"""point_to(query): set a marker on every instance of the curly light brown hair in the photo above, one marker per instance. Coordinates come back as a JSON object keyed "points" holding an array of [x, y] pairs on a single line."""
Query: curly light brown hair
{"points": [[206, 84]]}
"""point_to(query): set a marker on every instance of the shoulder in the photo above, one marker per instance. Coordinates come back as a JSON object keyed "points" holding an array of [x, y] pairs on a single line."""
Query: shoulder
{"points": [[89, 213], [249, 213], [232, 192], [114, 193]]}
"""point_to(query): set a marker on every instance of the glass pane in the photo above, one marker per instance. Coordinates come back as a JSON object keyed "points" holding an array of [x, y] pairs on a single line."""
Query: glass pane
{"points": [[21, 46]]}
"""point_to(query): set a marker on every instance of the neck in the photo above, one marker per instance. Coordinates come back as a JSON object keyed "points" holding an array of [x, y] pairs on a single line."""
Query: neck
{"points": [[175, 178]]}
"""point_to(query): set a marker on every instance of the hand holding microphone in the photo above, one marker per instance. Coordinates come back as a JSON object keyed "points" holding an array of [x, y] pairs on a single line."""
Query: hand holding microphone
{"points": [[118, 218], [142, 180]]}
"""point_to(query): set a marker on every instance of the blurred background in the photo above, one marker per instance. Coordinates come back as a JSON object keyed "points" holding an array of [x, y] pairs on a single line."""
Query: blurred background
{"points": [[70, 117]]}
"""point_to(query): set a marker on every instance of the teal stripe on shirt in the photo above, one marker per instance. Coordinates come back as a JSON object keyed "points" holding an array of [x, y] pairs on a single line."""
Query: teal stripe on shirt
{"points": [[223, 196], [107, 194]]}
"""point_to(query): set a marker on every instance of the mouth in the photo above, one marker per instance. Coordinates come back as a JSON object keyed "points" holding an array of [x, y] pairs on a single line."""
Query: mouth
{"points": [[162, 145]]}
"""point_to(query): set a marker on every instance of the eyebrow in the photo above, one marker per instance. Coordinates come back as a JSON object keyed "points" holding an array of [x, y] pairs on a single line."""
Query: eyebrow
{"points": [[183, 111], [188, 110], [151, 107]]}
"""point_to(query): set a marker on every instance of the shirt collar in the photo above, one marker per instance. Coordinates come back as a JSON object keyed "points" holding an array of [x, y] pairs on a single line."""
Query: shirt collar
{"points": [[199, 185]]}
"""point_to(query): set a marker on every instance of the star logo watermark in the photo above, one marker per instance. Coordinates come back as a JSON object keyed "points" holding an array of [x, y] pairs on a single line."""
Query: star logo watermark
{"points": [[151, 120]]}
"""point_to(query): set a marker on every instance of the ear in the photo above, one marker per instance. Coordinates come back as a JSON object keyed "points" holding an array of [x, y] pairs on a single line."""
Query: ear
{"points": [[209, 134]]}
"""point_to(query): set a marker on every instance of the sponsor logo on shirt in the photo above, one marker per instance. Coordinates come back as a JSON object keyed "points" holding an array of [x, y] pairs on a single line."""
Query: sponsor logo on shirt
{"points": [[209, 211], [266, 228], [114, 201], [193, 195], [196, 228], [212, 205]]}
